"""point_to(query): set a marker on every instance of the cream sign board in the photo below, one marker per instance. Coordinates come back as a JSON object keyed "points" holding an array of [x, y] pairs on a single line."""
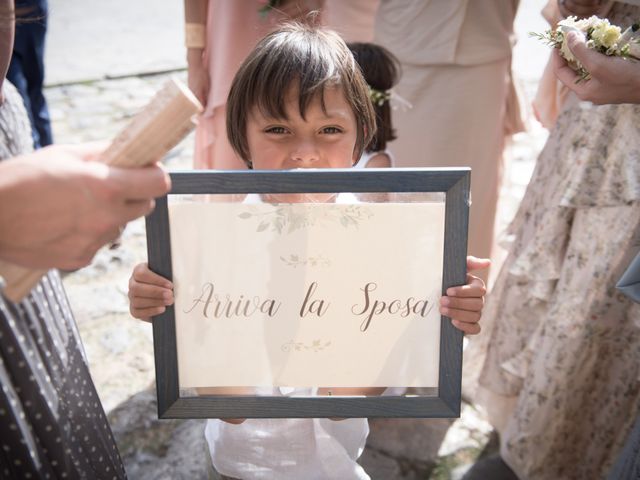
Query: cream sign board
{"points": [[341, 294]]}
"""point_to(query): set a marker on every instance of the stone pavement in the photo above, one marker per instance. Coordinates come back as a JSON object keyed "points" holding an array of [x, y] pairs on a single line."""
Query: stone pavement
{"points": [[94, 107], [97, 39]]}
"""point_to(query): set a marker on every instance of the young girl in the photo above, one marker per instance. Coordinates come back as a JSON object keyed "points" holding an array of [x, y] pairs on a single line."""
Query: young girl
{"points": [[380, 69], [298, 101]]}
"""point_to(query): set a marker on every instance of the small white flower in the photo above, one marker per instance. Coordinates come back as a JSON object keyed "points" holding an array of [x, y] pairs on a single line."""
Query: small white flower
{"points": [[568, 22], [583, 25], [587, 23], [605, 34]]}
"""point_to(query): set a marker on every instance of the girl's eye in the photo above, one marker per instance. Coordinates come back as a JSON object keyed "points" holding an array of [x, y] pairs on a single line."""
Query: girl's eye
{"points": [[331, 130], [277, 130]]}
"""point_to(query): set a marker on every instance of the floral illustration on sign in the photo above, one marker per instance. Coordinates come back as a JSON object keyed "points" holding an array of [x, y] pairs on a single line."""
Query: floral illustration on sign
{"points": [[315, 346], [295, 261], [288, 219]]}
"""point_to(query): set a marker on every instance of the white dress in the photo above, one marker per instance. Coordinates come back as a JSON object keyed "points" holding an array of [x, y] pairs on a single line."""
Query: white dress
{"points": [[366, 157], [289, 448]]}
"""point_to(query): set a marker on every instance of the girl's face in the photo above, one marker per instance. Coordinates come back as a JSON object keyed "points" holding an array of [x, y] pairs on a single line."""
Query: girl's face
{"points": [[321, 140]]}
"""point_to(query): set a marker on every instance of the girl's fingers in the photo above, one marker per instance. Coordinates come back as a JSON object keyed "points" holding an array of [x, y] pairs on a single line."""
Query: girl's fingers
{"points": [[140, 302], [142, 274], [145, 314], [233, 421], [464, 304], [460, 315], [474, 288], [142, 290], [472, 304], [475, 263], [468, 328]]}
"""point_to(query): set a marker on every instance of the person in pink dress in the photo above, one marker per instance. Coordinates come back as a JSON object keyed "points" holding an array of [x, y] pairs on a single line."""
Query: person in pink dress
{"points": [[219, 35]]}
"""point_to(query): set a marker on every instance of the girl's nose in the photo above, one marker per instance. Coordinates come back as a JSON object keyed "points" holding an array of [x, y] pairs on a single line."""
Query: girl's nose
{"points": [[305, 154]]}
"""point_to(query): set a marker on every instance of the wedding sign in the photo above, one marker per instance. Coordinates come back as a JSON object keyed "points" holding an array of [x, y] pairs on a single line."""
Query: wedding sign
{"points": [[309, 293]]}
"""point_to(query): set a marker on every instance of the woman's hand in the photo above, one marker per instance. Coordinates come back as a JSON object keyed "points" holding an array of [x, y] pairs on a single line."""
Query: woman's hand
{"points": [[463, 305], [59, 206], [613, 79]]}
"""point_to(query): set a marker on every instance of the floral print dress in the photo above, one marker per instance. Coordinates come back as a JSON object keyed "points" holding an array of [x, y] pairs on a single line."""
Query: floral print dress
{"points": [[558, 366]]}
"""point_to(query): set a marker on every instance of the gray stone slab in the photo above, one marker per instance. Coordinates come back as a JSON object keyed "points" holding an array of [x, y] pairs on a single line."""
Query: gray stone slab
{"points": [[416, 439], [380, 466], [158, 449], [92, 39]]}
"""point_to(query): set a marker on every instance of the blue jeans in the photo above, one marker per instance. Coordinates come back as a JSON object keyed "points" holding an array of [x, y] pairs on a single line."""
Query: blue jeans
{"points": [[26, 70]]}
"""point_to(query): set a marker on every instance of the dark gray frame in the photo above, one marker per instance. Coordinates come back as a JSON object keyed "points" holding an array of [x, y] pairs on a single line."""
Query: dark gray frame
{"points": [[455, 182]]}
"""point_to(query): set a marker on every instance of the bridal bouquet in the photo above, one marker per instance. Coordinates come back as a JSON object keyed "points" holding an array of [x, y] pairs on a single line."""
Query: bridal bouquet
{"points": [[600, 35]]}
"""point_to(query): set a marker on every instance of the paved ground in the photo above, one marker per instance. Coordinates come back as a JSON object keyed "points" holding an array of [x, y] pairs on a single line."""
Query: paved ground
{"points": [[90, 43], [95, 39]]}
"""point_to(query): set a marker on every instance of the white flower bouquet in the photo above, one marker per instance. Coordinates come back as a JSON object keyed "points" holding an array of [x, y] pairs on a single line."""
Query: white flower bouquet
{"points": [[600, 36]]}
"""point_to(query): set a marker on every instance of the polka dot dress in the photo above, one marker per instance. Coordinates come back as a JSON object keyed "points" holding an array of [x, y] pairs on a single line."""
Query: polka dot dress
{"points": [[51, 422]]}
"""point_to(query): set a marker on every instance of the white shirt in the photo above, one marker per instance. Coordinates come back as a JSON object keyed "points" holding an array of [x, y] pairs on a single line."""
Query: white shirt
{"points": [[289, 448], [367, 156]]}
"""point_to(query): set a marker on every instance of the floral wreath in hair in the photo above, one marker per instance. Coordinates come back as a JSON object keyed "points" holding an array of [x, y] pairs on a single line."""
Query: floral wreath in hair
{"points": [[378, 97]]}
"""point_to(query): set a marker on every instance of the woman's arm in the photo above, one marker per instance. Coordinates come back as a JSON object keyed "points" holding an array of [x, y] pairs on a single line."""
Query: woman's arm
{"points": [[195, 17]]}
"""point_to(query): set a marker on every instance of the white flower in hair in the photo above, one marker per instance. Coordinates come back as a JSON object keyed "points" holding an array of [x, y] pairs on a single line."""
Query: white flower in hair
{"points": [[378, 97]]}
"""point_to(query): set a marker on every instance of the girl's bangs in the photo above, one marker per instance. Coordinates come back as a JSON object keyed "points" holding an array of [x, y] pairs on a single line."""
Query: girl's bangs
{"points": [[305, 72]]}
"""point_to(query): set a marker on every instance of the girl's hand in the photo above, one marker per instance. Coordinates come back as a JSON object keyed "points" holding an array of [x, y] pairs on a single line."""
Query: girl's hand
{"points": [[463, 305], [149, 293]]}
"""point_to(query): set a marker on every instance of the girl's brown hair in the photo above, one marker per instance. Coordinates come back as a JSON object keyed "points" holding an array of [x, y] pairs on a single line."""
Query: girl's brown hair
{"points": [[296, 55], [381, 70]]}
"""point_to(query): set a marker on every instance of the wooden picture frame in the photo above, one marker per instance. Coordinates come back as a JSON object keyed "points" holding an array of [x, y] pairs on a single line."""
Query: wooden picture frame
{"points": [[454, 182]]}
